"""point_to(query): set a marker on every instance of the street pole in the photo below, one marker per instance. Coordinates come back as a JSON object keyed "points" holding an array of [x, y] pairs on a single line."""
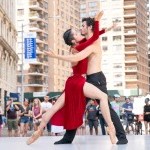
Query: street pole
{"points": [[22, 64]]}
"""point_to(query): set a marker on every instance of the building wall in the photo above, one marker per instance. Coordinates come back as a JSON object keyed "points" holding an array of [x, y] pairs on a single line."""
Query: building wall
{"points": [[62, 16], [129, 64], [125, 61], [8, 56], [32, 15], [89, 8]]}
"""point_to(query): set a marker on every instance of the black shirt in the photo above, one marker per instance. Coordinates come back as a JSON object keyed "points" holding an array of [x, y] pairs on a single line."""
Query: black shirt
{"points": [[92, 112], [146, 108], [12, 112]]}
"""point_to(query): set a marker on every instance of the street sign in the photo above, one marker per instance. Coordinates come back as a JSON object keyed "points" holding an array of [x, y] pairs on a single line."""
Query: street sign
{"points": [[30, 47]]}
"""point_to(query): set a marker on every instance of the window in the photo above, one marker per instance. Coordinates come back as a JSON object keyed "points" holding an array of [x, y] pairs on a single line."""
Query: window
{"points": [[117, 20], [117, 29], [45, 4], [117, 84], [92, 4], [117, 38], [82, 15], [117, 48], [83, 6], [117, 75], [105, 48], [92, 13], [117, 65], [20, 12], [19, 78], [104, 38]]}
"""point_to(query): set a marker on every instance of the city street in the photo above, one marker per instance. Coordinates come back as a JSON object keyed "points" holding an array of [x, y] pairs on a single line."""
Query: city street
{"points": [[137, 142], [75, 65]]}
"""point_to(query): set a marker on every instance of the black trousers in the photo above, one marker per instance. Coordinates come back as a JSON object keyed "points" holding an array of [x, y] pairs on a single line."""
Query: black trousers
{"points": [[98, 79], [102, 123]]}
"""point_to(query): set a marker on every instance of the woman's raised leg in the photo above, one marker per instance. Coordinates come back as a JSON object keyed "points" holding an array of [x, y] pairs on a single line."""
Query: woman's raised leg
{"points": [[46, 117], [93, 92]]}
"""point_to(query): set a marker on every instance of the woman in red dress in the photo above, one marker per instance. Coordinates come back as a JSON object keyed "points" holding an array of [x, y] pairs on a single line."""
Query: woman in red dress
{"points": [[72, 100]]}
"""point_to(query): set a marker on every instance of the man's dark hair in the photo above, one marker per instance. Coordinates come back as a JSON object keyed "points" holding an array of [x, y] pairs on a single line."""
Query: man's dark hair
{"points": [[89, 22], [68, 37]]}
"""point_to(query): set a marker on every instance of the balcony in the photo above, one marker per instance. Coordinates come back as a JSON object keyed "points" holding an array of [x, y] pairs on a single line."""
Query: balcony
{"points": [[34, 5], [131, 78], [129, 4], [131, 59], [129, 13], [129, 22], [131, 85], [39, 50], [40, 61], [131, 69], [36, 27], [41, 39], [34, 82], [130, 41], [36, 71], [130, 50], [130, 32], [35, 16]]}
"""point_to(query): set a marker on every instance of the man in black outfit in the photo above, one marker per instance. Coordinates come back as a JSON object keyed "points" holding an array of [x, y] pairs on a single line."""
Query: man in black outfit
{"points": [[96, 77]]}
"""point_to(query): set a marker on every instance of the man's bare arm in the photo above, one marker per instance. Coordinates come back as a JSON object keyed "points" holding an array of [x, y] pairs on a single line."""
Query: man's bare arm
{"points": [[73, 58]]}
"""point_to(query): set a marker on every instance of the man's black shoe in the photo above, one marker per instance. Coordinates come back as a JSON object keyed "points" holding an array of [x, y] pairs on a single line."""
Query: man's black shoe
{"points": [[63, 141], [121, 142]]}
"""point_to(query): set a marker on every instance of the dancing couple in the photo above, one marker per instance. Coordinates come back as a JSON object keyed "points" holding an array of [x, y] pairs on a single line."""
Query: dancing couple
{"points": [[86, 59]]}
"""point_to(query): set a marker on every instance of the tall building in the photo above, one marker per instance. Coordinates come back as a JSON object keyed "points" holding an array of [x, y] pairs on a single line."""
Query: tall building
{"points": [[32, 16], [49, 19], [125, 59], [89, 8], [8, 56], [63, 14], [148, 17]]}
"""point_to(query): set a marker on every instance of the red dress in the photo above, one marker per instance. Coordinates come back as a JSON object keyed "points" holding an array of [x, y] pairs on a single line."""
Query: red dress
{"points": [[71, 115]]}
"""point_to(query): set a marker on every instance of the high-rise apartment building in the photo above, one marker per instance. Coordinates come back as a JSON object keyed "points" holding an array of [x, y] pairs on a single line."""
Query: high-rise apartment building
{"points": [[63, 14], [8, 56], [125, 59], [49, 19], [32, 16], [148, 17], [88, 8]]}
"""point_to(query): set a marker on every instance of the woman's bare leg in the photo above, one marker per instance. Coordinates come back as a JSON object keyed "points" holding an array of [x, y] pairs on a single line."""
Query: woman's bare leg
{"points": [[46, 117], [21, 129], [93, 92], [146, 127]]}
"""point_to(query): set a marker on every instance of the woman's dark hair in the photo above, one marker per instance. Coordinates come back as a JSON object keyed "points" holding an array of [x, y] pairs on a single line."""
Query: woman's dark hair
{"points": [[89, 22], [68, 37]]}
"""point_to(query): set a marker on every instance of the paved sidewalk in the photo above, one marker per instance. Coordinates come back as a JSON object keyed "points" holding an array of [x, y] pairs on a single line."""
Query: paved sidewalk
{"points": [[136, 142]]}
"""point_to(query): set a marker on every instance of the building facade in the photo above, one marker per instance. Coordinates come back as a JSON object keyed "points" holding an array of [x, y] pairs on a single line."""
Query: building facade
{"points": [[88, 8], [125, 49], [148, 17], [62, 16], [32, 16], [8, 56], [49, 19]]}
